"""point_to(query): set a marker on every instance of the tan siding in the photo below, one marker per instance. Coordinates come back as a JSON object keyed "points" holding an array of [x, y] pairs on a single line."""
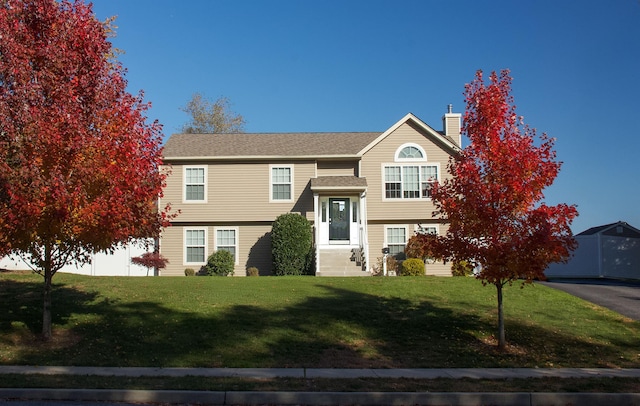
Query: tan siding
{"points": [[372, 169], [376, 243], [337, 168], [240, 192], [254, 247], [172, 248]]}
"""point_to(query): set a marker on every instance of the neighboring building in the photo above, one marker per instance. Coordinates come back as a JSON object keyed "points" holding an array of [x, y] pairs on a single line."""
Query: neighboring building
{"points": [[116, 263], [362, 192], [608, 251]]}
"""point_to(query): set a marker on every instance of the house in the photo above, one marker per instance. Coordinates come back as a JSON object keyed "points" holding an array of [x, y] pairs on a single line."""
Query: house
{"points": [[607, 251], [362, 191]]}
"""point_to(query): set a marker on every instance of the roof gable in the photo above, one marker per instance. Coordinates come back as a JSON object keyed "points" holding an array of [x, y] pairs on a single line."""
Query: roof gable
{"points": [[445, 142], [619, 228]]}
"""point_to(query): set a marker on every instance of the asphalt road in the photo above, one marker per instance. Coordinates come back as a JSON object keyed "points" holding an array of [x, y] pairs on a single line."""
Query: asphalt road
{"points": [[620, 296]]}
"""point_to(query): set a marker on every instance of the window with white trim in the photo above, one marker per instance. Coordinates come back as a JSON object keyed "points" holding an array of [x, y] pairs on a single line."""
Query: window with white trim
{"points": [[423, 229], [410, 177], [411, 152], [409, 181], [281, 183], [227, 240], [195, 246], [195, 186], [395, 239]]}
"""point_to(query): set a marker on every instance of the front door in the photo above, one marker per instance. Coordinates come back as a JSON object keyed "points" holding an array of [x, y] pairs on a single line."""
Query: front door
{"points": [[339, 220]]}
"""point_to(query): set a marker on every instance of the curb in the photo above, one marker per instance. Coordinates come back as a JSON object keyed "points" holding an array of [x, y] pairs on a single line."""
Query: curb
{"points": [[323, 398]]}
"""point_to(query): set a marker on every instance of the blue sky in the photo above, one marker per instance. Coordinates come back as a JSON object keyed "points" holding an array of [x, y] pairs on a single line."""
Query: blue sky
{"points": [[339, 65]]}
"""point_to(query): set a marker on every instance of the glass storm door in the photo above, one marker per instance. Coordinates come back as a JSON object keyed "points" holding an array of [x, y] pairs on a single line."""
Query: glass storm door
{"points": [[339, 219]]}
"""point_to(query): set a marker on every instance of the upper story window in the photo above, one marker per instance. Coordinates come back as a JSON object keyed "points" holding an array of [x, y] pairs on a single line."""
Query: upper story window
{"points": [[195, 184], [410, 152], [281, 183], [409, 180]]}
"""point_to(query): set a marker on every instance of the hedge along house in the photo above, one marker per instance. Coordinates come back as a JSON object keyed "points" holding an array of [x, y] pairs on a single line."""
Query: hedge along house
{"points": [[362, 191], [607, 251]]}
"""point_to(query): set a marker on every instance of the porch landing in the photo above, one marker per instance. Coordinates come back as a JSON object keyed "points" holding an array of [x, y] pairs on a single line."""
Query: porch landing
{"points": [[340, 262]]}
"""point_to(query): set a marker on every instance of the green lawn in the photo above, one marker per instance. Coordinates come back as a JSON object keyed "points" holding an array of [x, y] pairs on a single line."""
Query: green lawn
{"points": [[422, 322]]}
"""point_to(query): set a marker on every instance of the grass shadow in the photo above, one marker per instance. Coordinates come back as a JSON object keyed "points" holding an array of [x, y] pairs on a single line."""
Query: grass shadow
{"points": [[337, 327]]}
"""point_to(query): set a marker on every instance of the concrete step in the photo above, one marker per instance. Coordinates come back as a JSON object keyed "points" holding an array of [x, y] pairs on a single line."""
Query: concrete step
{"points": [[339, 262]]}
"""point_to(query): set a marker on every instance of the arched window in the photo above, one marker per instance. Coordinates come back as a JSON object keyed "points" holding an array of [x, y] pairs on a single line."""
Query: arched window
{"points": [[410, 152]]}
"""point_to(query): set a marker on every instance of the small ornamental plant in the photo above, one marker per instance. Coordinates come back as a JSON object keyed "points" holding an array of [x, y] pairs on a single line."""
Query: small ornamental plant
{"points": [[220, 263]]}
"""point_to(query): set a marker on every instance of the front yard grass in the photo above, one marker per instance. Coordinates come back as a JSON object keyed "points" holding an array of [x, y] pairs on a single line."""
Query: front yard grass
{"points": [[403, 322]]}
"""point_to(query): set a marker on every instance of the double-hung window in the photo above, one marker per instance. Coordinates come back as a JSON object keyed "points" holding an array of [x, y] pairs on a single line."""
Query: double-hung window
{"points": [[195, 186], [227, 240], [195, 246], [281, 183], [396, 239]]}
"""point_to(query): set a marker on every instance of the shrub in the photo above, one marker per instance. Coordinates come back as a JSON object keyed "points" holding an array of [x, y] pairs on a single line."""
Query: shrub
{"points": [[291, 245], [461, 268], [220, 263], [412, 267], [253, 271], [189, 272]]}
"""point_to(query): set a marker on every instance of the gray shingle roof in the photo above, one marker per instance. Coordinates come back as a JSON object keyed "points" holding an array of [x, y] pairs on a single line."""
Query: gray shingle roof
{"points": [[267, 144], [338, 181]]}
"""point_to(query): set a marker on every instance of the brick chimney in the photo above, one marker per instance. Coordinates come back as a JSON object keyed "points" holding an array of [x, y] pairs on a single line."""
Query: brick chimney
{"points": [[451, 125]]}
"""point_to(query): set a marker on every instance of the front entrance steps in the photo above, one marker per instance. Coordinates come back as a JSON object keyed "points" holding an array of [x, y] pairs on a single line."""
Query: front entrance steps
{"points": [[340, 262]]}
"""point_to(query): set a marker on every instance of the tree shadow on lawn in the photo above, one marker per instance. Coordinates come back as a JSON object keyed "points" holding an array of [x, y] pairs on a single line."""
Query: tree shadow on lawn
{"points": [[342, 329]]}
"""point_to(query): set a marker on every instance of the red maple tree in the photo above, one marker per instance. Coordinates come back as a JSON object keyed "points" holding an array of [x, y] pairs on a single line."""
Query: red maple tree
{"points": [[151, 260], [493, 201], [79, 163]]}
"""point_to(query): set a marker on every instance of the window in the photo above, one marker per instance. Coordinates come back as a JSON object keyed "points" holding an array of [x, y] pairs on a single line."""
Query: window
{"points": [[429, 174], [227, 240], [392, 182], [410, 152], [422, 229], [354, 210], [195, 246], [396, 239], [195, 184], [409, 181], [281, 183]]}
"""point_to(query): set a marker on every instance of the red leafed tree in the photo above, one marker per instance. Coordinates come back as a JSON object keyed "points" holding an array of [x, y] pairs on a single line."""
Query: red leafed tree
{"points": [[493, 202], [151, 260], [79, 163]]}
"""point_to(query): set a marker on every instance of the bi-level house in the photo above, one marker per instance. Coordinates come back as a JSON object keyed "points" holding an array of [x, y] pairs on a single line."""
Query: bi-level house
{"points": [[362, 191]]}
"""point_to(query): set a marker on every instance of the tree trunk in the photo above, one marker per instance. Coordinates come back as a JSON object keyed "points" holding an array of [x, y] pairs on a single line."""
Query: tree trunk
{"points": [[46, 309], [501, 337]]}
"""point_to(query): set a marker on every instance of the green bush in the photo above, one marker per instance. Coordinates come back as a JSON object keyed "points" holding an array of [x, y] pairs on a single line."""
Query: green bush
{"points": [[461, 268], [291, 245], [220, 263], [253, 271], [189, 272], [412, 267]]}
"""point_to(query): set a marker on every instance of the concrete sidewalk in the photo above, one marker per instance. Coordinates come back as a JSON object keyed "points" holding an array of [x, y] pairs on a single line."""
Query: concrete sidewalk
{"points": [[337, 373], [85, 396]]}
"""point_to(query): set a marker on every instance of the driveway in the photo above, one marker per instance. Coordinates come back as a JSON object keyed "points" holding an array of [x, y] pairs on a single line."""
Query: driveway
{"points": [[620, 296]]}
